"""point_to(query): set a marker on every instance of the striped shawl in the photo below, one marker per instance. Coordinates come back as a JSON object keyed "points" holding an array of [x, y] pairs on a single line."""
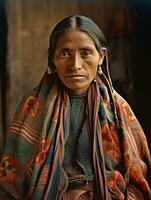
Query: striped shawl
{"points": [[33, 155]]}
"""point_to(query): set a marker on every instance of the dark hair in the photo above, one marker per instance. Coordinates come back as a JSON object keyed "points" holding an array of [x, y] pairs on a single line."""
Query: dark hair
{"points": [[80, 23]]}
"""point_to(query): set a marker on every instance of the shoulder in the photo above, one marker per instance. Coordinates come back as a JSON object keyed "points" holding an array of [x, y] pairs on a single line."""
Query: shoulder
{"points": [[131, 125], [123, 107]]}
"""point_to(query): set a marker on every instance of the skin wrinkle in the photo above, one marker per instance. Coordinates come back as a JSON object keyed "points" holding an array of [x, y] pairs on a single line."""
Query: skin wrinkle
{"points": [[76, 60]]}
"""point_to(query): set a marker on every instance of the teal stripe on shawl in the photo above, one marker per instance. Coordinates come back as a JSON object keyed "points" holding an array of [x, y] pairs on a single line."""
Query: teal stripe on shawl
{"points": [[57, 128], [56, 179], [19, 152]]}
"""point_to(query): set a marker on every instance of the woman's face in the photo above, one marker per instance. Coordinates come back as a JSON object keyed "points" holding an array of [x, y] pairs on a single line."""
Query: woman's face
{"points": [[76, 60]]}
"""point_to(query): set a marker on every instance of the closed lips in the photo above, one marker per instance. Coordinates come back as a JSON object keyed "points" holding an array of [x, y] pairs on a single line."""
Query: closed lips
{"points": [[73, 75]]}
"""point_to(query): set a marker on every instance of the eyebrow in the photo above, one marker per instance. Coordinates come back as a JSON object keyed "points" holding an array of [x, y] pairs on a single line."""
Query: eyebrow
{"points": [[91, 48]]}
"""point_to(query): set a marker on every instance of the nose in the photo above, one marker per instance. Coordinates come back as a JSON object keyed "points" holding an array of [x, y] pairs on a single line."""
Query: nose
{"points": [[75, 62]]}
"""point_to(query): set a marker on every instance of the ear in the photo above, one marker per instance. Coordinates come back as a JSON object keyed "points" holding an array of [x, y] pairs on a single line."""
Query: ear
{"points": [[103, 53]]}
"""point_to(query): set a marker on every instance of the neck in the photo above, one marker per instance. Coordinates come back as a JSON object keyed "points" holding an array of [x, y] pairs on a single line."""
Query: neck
{"points": [[78, 93]]}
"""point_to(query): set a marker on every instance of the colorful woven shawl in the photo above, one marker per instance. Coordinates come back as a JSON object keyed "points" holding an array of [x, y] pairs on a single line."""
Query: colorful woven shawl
{"points": [[33, 155]]}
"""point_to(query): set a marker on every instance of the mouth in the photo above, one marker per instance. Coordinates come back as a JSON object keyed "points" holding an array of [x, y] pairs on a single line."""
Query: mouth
{"points": [[75, 77]]}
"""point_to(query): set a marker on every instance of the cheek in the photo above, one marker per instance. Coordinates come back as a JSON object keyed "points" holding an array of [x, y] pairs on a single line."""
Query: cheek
{"points": [[93, 70], [60, 64], [59, 67], [92, 74], [60, 72]]}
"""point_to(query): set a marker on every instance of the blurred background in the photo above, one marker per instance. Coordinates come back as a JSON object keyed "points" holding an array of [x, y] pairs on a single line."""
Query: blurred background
{"points": [[25, 26]]}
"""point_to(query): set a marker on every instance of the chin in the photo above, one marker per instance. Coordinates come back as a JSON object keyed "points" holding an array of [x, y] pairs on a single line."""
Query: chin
{"points": [[78, 89]]}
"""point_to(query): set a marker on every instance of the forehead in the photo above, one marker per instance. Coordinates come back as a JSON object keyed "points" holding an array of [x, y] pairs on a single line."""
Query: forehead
{"points": [[75, 37]]}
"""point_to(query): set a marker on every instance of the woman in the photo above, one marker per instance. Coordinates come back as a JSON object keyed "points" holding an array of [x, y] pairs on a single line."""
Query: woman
{"points": [[73, 137]]}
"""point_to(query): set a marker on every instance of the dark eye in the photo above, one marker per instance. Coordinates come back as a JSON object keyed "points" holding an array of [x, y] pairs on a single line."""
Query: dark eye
{"points": [[64, 53], [86, 53]]}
